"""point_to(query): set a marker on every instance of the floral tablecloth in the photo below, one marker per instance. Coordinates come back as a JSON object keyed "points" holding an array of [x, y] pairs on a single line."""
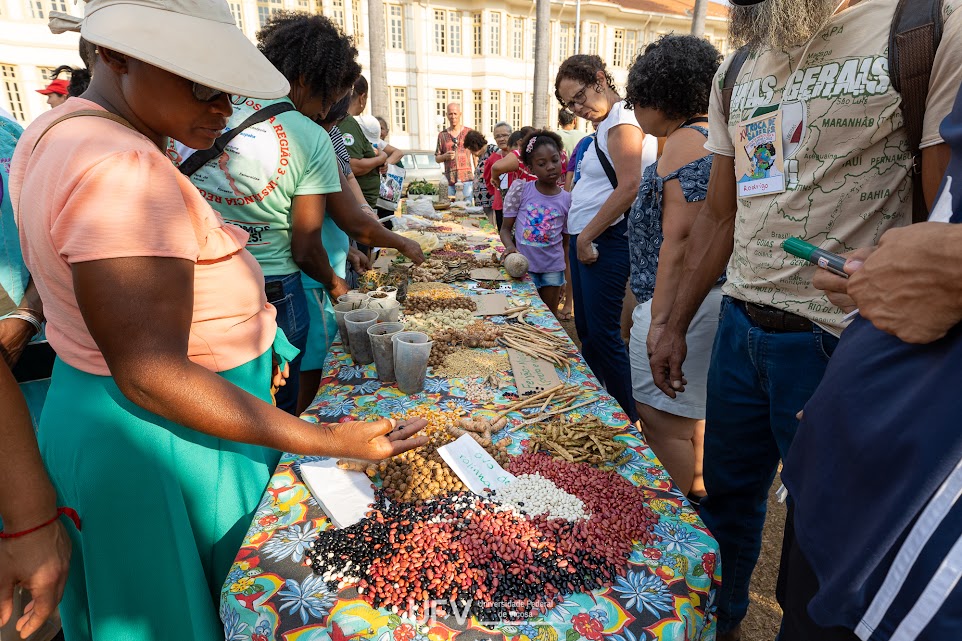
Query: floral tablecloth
{"points": [[270, 593]]}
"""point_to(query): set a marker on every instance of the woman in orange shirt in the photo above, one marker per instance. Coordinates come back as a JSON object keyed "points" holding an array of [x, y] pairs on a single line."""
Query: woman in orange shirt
{"points": [[158, 428]]}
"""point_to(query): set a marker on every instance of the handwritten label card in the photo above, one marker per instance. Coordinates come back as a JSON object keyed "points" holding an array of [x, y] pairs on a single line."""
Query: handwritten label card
{"points": [[473, 465], [532, 374]]}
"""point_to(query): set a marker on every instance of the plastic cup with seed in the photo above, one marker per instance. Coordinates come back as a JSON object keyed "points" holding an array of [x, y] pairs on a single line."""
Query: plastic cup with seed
{"points": [[411, 353], [357, 323], [382, 344]]}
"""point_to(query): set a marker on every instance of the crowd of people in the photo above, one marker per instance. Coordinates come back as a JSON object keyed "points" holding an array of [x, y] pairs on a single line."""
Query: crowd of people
{"points": [[179, 230]]}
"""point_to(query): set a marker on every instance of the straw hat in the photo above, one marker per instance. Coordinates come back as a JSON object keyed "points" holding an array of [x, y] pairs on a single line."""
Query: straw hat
{"points": [[195, 39]]}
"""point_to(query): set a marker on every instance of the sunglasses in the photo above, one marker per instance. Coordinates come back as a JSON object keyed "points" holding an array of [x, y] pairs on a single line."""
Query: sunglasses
{"points": [[204, 93]]}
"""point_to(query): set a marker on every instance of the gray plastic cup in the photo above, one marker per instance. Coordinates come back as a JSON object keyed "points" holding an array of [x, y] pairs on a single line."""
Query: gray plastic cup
{"points": [[411, 353], [357, 299], [340, 311], [382, 345], [357, 323], [389, 313]]}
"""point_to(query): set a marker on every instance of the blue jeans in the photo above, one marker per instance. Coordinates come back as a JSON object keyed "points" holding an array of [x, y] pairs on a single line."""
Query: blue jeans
{"points": [[468, 186], [599, 291], [758, 380], [292, 317]]}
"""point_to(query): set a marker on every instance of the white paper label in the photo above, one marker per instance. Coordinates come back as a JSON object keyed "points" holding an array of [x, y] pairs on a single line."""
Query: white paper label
{"points": [[474, 466], [344, 495]]}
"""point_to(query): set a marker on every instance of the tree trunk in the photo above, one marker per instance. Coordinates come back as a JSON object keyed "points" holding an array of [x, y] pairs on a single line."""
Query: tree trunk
{"points": [[542, 46], [698, 18], [577, 26], [378, 92]]}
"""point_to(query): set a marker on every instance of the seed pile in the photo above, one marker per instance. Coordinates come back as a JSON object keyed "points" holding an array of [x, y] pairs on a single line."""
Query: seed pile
{"points": [[619, 511], [428, 271], [587, 440], [455, 245], [470, 363], [478, 392], [430, 322], [449, 341], [452, 254], [422, 473], [419, 303], [470, 549], [534, 494], [436, 290]]}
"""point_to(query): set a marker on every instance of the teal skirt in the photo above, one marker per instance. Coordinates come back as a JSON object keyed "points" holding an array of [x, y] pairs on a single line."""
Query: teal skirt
{"points": [[164, 508], [322, 331]]}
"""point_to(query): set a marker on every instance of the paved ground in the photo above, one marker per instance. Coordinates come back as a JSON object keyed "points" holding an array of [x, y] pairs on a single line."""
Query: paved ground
{"points": [[761, 624]]}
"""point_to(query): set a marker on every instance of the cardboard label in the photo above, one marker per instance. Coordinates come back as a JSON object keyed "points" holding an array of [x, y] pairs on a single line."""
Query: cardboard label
{"points": [[473, 465], [491, 304], [532, 374], [487, 273], [383, 263]]}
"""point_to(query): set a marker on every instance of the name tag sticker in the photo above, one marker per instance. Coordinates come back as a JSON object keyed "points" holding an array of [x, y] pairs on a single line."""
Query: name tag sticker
{"points": [[759, 156]]}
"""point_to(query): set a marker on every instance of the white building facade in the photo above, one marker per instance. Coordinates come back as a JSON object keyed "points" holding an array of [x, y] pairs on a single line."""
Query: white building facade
{"points": [[481, 55]]}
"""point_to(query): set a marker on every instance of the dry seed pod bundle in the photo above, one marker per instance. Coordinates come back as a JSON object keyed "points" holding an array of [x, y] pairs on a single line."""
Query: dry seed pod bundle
{"points": [[538, 344], [587, 440]]}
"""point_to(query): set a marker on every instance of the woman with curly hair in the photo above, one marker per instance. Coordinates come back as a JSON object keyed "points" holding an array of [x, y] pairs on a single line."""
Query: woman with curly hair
{"points": [[477, 144], [272, 178], [668, 89], [610, 174]]}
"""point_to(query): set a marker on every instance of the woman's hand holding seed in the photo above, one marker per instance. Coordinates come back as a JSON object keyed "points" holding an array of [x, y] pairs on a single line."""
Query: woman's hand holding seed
{"points": [[375, 440]]}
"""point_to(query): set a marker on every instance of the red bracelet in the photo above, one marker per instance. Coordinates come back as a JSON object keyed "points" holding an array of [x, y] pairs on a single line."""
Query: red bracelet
{"points": [[69, 511]]}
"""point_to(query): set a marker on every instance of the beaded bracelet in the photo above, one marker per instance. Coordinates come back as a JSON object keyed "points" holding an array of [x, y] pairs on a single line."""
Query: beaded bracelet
{"points": [[69, 511], [30, 318]]}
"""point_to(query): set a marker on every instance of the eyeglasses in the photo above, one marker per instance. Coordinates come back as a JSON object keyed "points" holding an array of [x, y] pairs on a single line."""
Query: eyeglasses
{"points": [[204, 93], [578, 100]]}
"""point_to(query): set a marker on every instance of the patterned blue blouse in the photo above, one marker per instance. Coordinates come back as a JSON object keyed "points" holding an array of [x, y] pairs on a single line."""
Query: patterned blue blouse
{"points": [[481, 196], [644, 220]]}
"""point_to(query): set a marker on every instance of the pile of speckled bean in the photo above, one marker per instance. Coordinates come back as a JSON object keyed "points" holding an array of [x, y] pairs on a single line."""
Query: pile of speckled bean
{"points": [[472, 550]]}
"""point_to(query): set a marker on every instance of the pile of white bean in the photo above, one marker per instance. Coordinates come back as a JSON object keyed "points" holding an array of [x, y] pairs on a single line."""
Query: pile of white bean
{"points": [[534, 494]]}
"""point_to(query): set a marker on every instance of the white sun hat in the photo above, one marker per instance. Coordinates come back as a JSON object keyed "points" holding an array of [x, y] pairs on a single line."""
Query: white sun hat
{"points": [[195, 39]]}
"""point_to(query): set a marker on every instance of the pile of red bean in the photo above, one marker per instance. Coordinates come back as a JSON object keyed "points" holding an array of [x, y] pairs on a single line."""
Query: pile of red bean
{"points": [[619, 514], [469, 549]]}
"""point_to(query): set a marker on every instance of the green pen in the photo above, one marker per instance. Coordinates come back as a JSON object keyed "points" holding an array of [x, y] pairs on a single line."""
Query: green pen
{"points": [[819, 257]]}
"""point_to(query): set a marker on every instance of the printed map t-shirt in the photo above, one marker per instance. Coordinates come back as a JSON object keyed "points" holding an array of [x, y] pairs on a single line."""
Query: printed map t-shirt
{"points": [[359, 147], [846, 159], [253, 183]]}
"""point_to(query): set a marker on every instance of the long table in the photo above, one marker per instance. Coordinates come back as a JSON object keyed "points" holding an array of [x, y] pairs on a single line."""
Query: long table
{"points": [[667, 593]]}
